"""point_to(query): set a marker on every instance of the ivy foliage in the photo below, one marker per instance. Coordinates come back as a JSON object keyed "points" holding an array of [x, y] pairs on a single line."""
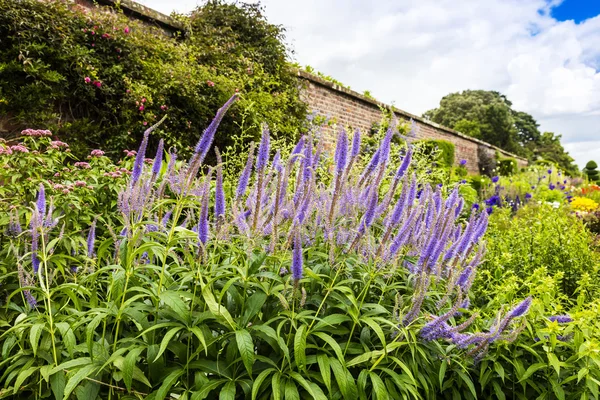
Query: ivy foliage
{"points": [[99, 79]]}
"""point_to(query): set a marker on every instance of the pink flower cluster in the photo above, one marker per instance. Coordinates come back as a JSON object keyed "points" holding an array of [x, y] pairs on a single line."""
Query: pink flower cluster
{"points": [[36, 132], [5, 150], [210, 83], [130, 153], [67, 188], [82, 165], [149, 161], [19, 148], [87, 79], [57, 144], [117, 173], [96, 153]]}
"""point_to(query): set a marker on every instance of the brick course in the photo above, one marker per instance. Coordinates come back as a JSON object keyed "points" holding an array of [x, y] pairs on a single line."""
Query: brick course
{"points": [[357, 111]]}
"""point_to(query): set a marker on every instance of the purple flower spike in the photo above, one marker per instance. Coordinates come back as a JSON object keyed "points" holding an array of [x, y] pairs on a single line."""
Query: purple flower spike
{"points": [[561, 319], [41, 201], [404, 166], [91, 239], [209, 133], [203, 221], [138, 164], [521, 309], [263, 150], [341, 152], [355, 143], [158, 159], [245, 177], [219, 193], [369, 215], [297, 268]]}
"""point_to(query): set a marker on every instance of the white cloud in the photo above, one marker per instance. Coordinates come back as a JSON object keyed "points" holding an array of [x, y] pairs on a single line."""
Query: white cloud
{"points": [[413, 52]]}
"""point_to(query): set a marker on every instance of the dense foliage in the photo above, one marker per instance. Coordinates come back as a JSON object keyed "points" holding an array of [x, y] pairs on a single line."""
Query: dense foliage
{"points": [[489, 116], [311, 275], [99, 79], [445, 149]]}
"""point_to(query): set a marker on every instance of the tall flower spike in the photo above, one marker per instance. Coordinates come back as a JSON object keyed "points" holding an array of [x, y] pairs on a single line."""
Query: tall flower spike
{"points": [[355, 144], [263, 150], [203, 220], [41, 202], [209, 133], [297, 267], [91, 239], [245, 177], [158, 159], [404, 166], [219, 192], [341, 152], [138, 164]]}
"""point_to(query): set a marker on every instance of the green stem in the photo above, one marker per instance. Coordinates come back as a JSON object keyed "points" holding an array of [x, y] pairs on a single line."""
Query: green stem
{"points": [[46, 287]]}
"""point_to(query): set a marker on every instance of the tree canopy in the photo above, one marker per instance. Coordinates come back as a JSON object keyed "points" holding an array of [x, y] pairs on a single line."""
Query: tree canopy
{"points": [[489, 116]]}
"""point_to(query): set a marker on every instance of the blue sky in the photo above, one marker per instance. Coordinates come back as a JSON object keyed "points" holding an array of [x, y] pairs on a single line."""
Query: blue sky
{"points": [[576, 10], [544, 55]]}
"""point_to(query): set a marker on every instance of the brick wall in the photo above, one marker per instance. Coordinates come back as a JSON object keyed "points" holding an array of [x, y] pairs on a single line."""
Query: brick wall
{"points": [[327, 99], [357, 111]]}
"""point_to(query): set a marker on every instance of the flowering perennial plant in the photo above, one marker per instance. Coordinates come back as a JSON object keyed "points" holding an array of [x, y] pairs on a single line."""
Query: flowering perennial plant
{"points": [[206, 285]]}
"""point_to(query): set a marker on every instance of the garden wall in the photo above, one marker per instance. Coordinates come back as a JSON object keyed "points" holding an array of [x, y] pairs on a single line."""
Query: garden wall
{"points": [[345, 106], [358, 111]]}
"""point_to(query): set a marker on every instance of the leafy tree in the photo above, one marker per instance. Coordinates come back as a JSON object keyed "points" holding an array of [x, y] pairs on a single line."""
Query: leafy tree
{"points": [[489, 116], [549, 148]]}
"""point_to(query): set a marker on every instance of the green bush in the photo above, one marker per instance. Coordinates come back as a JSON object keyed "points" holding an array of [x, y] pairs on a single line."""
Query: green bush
{"points": [[541, 236], [592, 172], [445, 148], [507, 166], [99, 79]]}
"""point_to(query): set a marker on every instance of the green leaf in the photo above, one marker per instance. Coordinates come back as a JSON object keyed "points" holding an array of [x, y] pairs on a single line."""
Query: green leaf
{"points": [[291, 391], [378, 387], [228, 391], [300, 347], [88, 391], [554, 362], [466, 379], [323, 361], [198, 333], [68, 336], [343, 378], [531, 370], [165, 341], [246, 348], [34, 336], [22, 377], [334, 345], [174, 301], [168, 383], [77, 377], [57, 383], [253, 306], [499, 369], [276, 386], [442, 373], [259, 381], [215, 308], [498, 391], [313, 390], [130, 369], [377, 329]]}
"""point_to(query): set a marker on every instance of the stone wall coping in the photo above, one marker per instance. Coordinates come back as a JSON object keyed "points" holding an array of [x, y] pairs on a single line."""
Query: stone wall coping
{"points": [[145, 13], [332, 86]]}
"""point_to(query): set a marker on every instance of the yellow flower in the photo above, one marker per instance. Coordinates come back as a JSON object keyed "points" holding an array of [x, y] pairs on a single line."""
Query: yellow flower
{"points": [[584, 204]]}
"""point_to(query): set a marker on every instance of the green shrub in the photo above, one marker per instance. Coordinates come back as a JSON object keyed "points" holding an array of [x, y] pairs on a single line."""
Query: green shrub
{"points": [[445, 148], [541, 236], [592, 172], [507, 166], [97, 78]]}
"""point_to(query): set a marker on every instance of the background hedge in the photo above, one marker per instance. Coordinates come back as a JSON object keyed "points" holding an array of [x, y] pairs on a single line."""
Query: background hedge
{"points": [[98, 79]]}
